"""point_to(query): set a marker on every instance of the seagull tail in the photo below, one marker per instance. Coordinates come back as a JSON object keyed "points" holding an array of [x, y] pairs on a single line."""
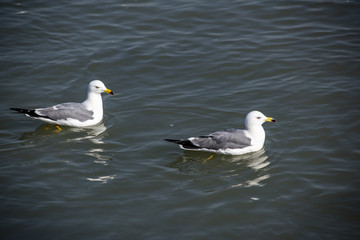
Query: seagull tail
{"points": [[28, 112], [186, 144]]}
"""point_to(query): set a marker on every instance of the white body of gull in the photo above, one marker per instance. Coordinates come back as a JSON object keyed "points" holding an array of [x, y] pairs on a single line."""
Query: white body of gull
{"points": [[231, 141], [87, 113]]}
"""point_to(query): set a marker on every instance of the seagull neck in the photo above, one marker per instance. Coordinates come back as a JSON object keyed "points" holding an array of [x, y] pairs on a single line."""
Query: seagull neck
{"points": [[93, 101], [256, 131]]}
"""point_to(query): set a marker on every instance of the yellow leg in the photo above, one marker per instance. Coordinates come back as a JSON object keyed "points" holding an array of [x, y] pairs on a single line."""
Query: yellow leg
{"points": [[58, 128], [207, 159]]}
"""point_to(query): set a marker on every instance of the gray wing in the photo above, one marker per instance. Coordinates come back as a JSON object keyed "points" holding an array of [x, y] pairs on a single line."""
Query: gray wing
{"points": [[66, 110], [231, 138]]}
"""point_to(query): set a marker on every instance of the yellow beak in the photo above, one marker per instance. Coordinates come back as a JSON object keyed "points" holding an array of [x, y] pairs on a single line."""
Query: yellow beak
{"points": [[109, 91], [269, 119]]}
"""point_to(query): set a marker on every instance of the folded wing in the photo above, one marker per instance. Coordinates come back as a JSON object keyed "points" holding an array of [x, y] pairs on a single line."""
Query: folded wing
{"points": [[225, 139]]}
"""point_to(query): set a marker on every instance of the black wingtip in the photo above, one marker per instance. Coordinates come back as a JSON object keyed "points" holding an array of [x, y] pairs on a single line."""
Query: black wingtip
{"points": [[21, 110], [187, 144], [172, 140], [28, 112]]}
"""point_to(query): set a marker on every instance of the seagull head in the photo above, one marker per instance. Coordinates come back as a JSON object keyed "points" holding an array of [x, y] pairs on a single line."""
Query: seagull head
{"points": [[97, 86], [256, 118]]}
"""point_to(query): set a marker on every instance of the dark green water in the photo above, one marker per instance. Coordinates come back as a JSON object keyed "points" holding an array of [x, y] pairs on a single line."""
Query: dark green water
{"points": [[181, 68]]}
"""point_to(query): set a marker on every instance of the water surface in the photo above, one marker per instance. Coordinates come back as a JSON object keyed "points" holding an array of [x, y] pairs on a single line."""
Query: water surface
{"points": [[181, 68]]}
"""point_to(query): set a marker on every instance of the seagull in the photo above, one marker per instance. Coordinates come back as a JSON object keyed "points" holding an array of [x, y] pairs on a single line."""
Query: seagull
{"points": [[87, 113], [231, 141]]}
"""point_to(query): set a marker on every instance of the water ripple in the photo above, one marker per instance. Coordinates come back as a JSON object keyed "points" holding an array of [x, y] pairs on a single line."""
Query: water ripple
{"points": [[181, 68]]}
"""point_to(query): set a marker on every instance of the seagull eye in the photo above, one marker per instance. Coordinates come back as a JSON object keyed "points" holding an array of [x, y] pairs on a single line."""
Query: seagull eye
{"points": [[96, 86], [258, 117]]}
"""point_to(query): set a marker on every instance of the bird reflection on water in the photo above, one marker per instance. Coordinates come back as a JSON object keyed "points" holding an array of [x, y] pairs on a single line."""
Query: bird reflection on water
{"points": [[89, 142], [249, 170], [94, 133]]}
